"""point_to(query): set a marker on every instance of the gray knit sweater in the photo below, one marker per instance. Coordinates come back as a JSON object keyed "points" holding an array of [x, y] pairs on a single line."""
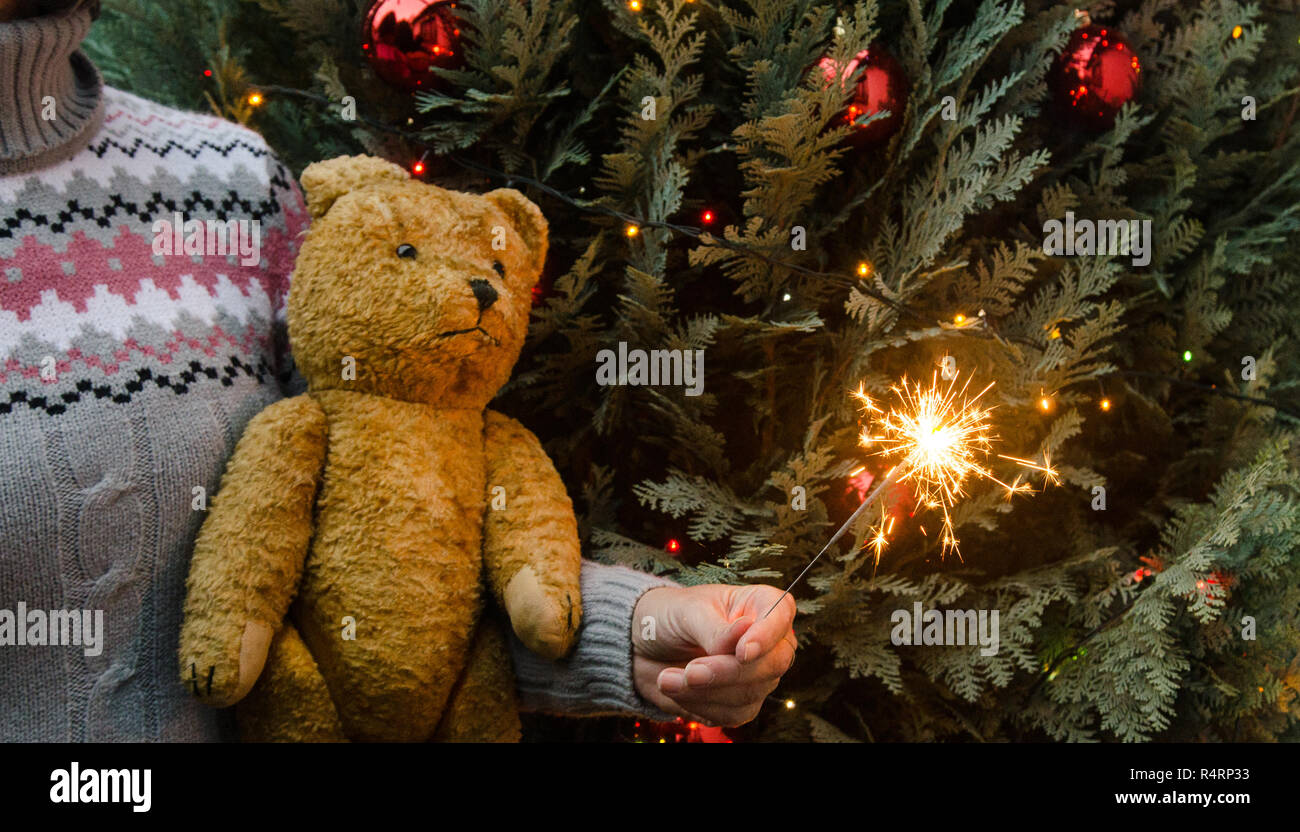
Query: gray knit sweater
{"points": [[126, 378]]}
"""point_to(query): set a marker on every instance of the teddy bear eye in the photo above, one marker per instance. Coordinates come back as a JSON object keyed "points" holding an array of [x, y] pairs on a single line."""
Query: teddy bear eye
{"points": [[500, 269], [407, 251]]}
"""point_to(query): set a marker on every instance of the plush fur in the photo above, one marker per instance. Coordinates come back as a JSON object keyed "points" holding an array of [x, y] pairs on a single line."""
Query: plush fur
{"points": [[369, 498]]}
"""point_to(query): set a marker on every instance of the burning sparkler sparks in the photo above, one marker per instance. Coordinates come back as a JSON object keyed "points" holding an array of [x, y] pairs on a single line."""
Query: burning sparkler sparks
{"points": [[940, 438]]}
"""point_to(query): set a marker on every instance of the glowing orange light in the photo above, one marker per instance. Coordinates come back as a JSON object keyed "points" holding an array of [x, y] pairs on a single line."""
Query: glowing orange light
{"points": [[1105, 404], [940, 437], [1055, 333], [255, 99], [1045, 403], [634, 5], [631, 231], [1236, 32], [864, 269], [959, 319]]}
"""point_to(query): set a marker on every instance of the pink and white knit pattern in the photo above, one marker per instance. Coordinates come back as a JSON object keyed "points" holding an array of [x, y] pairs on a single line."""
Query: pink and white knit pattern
{"points": [[79, 281]]}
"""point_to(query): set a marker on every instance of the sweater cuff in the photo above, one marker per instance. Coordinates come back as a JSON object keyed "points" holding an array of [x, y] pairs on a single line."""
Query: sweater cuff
{"points": [[595, 679]]}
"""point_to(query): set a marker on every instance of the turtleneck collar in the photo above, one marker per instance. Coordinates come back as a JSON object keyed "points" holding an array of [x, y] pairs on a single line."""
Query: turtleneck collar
{"points": [[51, 95]]}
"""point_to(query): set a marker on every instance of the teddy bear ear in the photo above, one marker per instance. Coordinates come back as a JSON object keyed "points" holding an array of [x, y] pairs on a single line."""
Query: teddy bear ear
{"points": [[326, 181], [527, 220]]}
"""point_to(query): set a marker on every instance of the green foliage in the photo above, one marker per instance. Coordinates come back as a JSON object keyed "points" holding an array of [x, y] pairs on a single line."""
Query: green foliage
{"points": [[647, 117]]}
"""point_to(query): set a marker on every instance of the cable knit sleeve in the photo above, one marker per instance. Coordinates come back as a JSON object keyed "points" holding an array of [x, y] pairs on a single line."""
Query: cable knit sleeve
{"points": [[596, 678]]}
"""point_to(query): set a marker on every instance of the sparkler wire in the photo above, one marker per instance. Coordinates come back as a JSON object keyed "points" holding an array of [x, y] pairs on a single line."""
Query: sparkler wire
{"points": [[886, 480]]}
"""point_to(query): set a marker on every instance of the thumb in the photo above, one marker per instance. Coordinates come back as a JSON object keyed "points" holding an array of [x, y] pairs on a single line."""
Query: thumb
{"points": [[712, 632]]}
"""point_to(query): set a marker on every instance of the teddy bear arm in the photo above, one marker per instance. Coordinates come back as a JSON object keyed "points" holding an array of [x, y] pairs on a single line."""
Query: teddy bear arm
{"points": [[249, 554], [530, 540]]}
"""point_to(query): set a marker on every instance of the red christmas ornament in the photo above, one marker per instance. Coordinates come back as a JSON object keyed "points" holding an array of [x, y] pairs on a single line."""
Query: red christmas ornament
{"points": [[883, 86], [1096, 75], [405, 39]]}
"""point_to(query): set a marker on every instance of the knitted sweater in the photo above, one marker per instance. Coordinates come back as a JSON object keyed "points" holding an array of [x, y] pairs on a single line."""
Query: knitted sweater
{"points": [[127, 376]]}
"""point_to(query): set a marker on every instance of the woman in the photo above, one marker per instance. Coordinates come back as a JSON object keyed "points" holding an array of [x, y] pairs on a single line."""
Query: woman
{"points": [[127, 373]]}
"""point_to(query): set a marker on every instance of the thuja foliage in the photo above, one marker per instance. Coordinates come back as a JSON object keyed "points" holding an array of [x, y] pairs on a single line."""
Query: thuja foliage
{"points": [[1153, 594]]}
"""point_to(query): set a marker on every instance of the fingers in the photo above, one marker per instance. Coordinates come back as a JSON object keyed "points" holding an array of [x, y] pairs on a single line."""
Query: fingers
{"points": [[723, 690], [768, 629], [721, 652]]}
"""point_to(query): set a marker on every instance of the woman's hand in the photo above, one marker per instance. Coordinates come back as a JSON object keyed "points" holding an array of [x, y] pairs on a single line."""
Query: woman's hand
{"points": [[706, 652]]}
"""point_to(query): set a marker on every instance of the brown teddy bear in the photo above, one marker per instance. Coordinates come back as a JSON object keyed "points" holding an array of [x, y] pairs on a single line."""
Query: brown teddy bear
{"points": [[336, 586]]}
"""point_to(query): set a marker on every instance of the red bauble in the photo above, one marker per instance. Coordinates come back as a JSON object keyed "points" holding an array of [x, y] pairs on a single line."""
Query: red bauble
{"points": [[1096, 75], [405, 39], [883, 86]]}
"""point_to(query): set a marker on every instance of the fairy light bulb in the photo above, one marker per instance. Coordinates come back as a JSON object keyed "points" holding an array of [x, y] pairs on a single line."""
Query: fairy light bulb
{"points": [[631, 231]]}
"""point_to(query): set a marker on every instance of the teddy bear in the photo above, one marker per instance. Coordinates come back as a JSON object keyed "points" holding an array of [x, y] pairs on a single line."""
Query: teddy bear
{"points": [[344, 583]]}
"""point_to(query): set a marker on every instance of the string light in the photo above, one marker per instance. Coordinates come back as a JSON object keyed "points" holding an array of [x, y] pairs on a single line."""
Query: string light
{"points": [[255, 99], [673, 545], [1236, 32], [631, 230], [863, 269], [789, 704], [634, 5], [1187, 355], [1056, 333], [207, 73], [1105, 404], [959, 319], [706, 217]]}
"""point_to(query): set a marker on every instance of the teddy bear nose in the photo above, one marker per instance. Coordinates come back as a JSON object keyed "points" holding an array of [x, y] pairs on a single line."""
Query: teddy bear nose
{"points": [[483, 293]]}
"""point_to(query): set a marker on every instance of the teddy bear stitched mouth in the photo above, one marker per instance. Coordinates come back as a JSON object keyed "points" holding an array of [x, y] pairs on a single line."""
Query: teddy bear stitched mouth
{"points": [[475, 328]]}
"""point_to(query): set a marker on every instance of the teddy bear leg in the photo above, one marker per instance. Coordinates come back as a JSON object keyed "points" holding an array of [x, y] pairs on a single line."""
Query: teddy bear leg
{"points": [[290, 702], [482, 705]]}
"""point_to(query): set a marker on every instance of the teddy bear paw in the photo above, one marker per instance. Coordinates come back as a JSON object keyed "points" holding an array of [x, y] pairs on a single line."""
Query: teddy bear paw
{"points": [[545, 618], [219, 682]]}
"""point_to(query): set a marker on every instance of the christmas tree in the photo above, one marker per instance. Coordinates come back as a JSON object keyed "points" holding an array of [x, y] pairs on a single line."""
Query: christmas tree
{"points": [[819, 198]]}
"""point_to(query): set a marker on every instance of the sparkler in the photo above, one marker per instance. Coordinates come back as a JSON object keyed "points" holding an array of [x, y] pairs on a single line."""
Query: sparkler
{"points": [[940, 438]]}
